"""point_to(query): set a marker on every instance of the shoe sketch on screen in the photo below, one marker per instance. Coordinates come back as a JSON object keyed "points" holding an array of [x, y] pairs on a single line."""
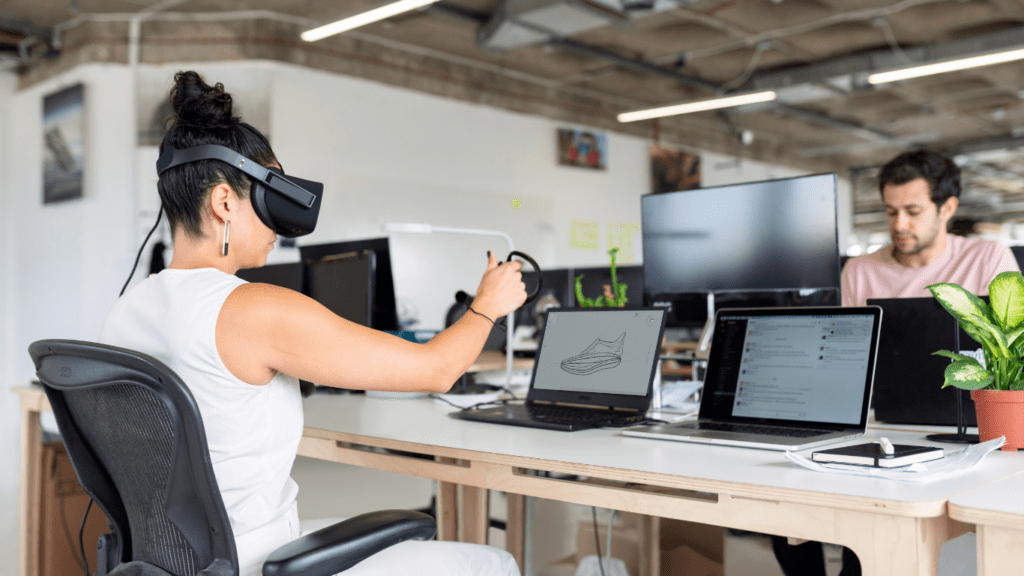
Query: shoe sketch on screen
{"points": [[601, 355]]}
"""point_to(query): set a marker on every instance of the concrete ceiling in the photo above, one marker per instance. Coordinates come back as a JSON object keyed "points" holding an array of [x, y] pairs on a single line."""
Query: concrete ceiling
{"points": [[613, 58]]}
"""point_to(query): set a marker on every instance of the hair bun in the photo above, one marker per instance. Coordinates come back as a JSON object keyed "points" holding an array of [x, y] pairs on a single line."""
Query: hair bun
{"points": [[197, 104]]}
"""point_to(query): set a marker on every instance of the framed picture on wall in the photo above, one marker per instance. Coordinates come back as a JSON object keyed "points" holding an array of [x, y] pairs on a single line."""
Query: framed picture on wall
{"points": [[63, 144], [672, 171], [582, 149]]}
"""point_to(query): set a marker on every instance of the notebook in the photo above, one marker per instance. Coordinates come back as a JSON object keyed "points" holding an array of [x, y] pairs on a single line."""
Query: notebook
{"points": [[908, 381], [594, 367], [783, 379]]}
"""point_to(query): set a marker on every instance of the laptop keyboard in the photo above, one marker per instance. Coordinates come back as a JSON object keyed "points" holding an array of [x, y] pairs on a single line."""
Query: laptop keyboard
{"points": [[757, 429], [551, 413]]}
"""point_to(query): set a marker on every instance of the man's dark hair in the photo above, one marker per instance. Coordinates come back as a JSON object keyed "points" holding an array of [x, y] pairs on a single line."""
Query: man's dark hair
{"points": [[939, 170]]}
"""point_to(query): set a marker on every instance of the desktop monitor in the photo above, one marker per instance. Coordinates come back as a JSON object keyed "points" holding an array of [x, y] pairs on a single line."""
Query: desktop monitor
{"points": [[384, 315], [288, 275], [775, 241], [343, 283]]}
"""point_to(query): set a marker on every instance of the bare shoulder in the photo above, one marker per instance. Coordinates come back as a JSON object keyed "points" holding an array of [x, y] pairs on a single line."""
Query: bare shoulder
{"points": [[257, 302]]}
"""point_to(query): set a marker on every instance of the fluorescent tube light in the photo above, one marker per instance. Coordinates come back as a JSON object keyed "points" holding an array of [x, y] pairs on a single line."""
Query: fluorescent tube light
{"points": [[363, 19], [700, 106], [950, 66]]}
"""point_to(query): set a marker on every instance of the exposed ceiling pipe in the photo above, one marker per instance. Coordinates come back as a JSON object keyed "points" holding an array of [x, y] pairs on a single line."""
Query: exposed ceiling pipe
{"points": [[647, 67]]}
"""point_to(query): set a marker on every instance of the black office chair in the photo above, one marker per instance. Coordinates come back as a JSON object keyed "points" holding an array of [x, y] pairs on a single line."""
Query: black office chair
{"points": [[134, 435]]}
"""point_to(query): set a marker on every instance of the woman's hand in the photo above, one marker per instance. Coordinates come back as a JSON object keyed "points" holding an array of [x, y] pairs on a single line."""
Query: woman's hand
{"points": [[501, 290]]}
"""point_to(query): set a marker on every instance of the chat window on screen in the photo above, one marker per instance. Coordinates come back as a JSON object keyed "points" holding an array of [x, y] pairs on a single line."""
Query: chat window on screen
{"points": [[809, 368]]}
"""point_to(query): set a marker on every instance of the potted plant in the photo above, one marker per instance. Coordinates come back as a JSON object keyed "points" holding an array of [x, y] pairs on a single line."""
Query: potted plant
{"points": [[997, 383], [614, 293]]}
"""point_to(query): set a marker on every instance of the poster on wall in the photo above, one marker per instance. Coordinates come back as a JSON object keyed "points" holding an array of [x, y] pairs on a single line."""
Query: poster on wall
{"points": [[672, 170], [63, 144], [582, 149]]}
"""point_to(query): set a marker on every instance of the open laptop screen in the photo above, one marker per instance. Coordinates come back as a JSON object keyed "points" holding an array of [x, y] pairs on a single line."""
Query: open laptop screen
{"points": [[792, 365], [601, 351]]}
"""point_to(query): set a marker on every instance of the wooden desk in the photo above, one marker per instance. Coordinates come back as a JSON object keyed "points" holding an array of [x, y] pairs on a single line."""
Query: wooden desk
{"points": [[894, 527], [997, 511]]}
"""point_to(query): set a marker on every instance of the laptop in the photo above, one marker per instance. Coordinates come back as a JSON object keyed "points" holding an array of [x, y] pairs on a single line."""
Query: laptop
{"points": [[908, 381], [594, 368], [783, 379]]}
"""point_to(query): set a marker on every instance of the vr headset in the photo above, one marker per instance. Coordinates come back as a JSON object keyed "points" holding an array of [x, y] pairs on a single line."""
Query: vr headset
{"points": [[288, 205]]}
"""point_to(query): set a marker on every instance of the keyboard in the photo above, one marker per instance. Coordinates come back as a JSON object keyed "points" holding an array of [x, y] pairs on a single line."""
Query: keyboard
{"points": [[551, 413], [756, 429]]}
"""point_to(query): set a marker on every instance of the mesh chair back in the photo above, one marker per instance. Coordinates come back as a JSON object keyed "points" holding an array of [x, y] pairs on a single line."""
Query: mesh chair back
{"points": [[134, 435]]}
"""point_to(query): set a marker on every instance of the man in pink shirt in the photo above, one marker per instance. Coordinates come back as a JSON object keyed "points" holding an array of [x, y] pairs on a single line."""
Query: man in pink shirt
{"points": [[921, 192]]}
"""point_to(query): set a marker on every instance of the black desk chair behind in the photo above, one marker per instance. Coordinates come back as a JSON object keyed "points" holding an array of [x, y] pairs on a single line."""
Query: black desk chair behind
{"points": [[134, 435]]}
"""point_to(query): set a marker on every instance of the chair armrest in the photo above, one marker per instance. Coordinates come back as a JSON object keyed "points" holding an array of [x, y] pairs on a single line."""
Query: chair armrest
{"points": [[341, 546]]}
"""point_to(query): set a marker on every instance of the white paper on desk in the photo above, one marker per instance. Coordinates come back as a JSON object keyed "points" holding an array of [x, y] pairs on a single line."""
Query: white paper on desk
{"points": [[953, 463]]}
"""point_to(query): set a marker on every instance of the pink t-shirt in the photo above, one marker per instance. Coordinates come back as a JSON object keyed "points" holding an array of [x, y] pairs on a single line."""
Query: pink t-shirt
{"points": [[971, 263]]}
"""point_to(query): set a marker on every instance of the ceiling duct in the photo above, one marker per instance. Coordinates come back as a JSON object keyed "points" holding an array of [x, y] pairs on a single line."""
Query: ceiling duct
{"points": [[523, 22]]}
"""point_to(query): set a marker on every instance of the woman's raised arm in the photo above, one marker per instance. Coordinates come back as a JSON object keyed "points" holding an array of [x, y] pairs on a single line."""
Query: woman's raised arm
{"points": [[265, 329]]}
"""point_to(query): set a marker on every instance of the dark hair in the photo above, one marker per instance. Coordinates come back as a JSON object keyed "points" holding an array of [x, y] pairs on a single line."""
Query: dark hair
{"points": [[202, 115], [939, 170]]}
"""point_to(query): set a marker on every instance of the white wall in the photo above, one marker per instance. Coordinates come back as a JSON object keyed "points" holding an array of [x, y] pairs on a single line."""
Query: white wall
{"points": [[64, 263], [9, 414]]}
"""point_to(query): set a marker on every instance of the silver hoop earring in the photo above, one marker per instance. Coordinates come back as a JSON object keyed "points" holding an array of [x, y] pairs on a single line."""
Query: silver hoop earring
{"points": [[227, 236]]}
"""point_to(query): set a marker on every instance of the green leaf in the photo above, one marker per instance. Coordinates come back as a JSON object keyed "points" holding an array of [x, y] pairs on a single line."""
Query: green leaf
{"points": [[989, 335], [967, 376], [961, 304], [1013, 336], [1017, 385], [1006, 292], [957, 357]]}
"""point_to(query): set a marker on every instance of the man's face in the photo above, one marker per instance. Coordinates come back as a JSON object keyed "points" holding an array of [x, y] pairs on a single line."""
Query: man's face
{"points": [[914, 220]]}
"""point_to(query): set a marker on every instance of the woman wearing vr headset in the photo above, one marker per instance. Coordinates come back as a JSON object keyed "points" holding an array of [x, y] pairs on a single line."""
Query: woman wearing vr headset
{"points": [[240, 347]]}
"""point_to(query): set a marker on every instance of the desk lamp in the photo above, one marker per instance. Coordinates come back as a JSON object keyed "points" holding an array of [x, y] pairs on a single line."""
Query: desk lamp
{"points": [[429, 229]]}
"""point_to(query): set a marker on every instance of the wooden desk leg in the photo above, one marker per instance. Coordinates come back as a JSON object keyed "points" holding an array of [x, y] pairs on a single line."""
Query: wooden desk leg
{"points": [[999, 550], [897, 546], [650, 546], [31, 468], [515, 529], [447, 508], [474, 514]]}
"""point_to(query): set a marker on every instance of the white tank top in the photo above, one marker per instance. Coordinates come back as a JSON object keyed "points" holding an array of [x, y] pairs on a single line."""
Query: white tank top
{"points": [[253, 432]]}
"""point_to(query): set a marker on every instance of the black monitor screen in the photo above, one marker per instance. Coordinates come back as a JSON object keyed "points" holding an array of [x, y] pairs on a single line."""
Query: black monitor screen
{"points": [[385, 315], [344, 284], [773, 235], [288, 275]]}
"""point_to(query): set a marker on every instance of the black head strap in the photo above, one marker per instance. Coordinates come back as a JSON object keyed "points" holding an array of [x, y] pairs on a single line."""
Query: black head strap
{"points": [[172, 157]]}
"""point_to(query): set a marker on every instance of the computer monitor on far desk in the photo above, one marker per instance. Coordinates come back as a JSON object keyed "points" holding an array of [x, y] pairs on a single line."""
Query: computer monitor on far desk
{"points": [[774, 241], [343, 283], [384, 315]]}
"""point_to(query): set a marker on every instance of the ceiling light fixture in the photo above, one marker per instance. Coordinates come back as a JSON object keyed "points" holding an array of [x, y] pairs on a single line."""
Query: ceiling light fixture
{"points": [[363, 19], [699, 106], [949, 66]]}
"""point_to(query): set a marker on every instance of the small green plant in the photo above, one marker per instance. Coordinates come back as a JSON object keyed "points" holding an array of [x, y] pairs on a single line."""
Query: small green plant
{"points": [[614, 296], [998, 327]]}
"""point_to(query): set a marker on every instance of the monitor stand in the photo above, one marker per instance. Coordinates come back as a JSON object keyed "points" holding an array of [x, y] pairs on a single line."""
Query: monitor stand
{"points": [[961, 436]]}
